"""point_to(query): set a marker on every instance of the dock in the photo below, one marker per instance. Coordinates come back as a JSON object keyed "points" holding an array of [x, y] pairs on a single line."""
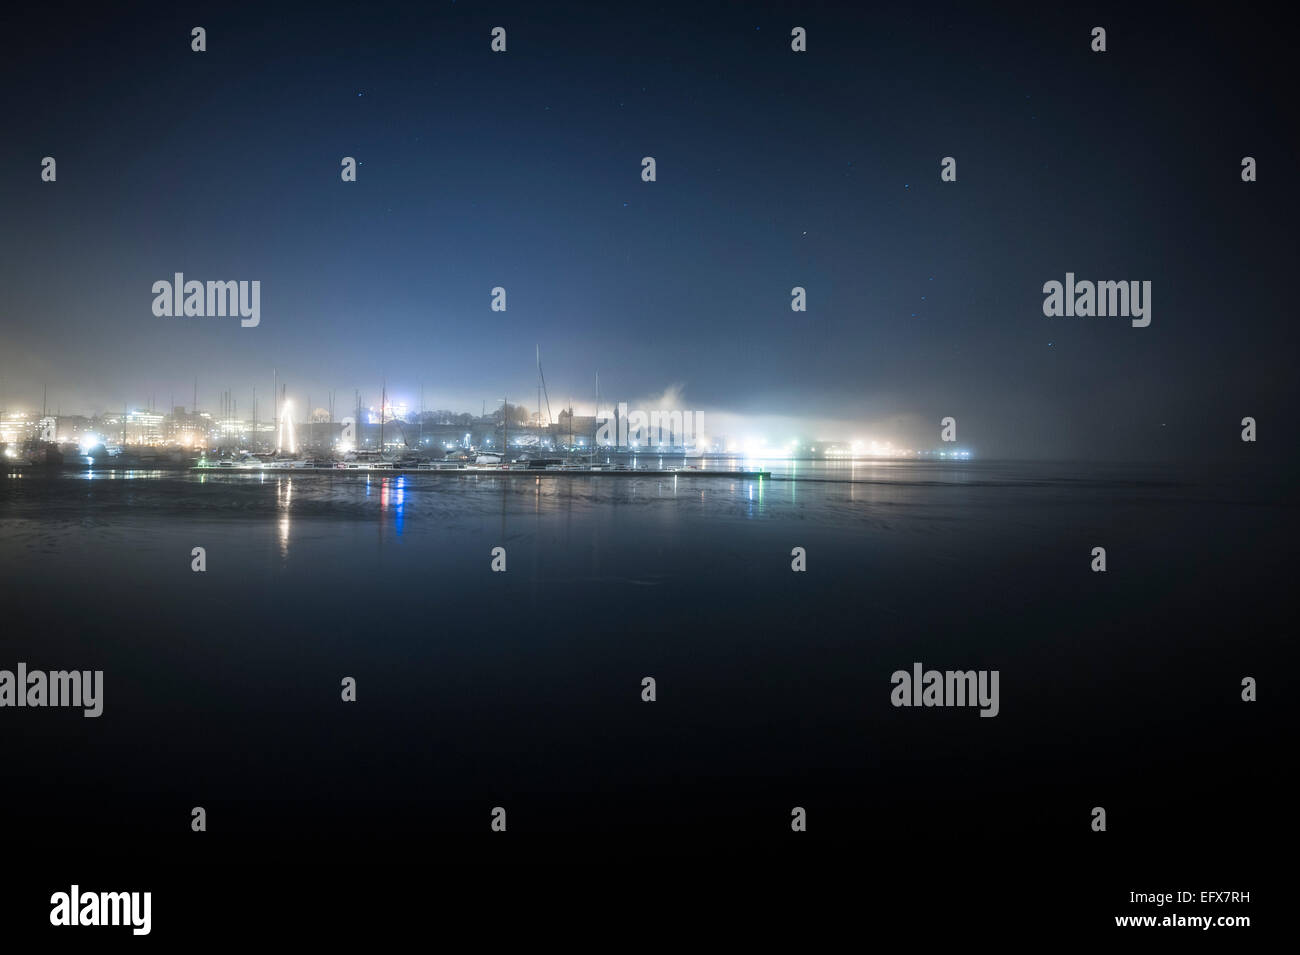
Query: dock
{"points": [[478, 471]]}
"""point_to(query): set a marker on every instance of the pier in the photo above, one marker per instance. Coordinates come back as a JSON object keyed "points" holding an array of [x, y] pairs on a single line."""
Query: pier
{"points": [[489, 471]]}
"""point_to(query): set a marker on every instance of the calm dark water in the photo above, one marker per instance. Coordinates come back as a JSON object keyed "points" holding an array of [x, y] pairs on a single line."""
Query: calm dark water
{"points": [[522, 689]]}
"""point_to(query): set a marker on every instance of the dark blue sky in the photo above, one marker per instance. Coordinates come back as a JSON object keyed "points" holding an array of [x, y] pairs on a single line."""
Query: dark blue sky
{"points": [[775, 169]]}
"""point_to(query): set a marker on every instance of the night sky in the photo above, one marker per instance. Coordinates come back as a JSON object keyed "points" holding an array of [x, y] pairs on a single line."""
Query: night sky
{"points": [[775, 169]]}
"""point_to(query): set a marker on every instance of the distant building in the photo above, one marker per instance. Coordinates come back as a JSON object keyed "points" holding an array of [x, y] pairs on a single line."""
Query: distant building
{"points": [[17, 427], [72, 429], [575, 430]]}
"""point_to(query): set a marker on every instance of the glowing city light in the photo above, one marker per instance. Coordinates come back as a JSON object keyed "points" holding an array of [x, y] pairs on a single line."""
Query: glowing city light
{"points": [[286, 427]]}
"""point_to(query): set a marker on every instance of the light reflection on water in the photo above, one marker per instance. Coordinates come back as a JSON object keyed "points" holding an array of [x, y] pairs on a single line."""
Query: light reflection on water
{"points": [[835, 494], [103, 474], [392, 498], [283, 500]]}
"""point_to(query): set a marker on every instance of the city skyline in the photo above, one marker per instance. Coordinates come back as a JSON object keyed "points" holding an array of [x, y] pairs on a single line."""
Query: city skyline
{"points": [[615, 425]]}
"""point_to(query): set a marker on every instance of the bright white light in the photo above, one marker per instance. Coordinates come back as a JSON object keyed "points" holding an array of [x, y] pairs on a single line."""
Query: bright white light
{"points": [[286, 426]]}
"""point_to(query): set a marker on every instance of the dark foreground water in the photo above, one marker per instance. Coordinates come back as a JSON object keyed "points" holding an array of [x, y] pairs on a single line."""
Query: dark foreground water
{"points": [[523, 689]]}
